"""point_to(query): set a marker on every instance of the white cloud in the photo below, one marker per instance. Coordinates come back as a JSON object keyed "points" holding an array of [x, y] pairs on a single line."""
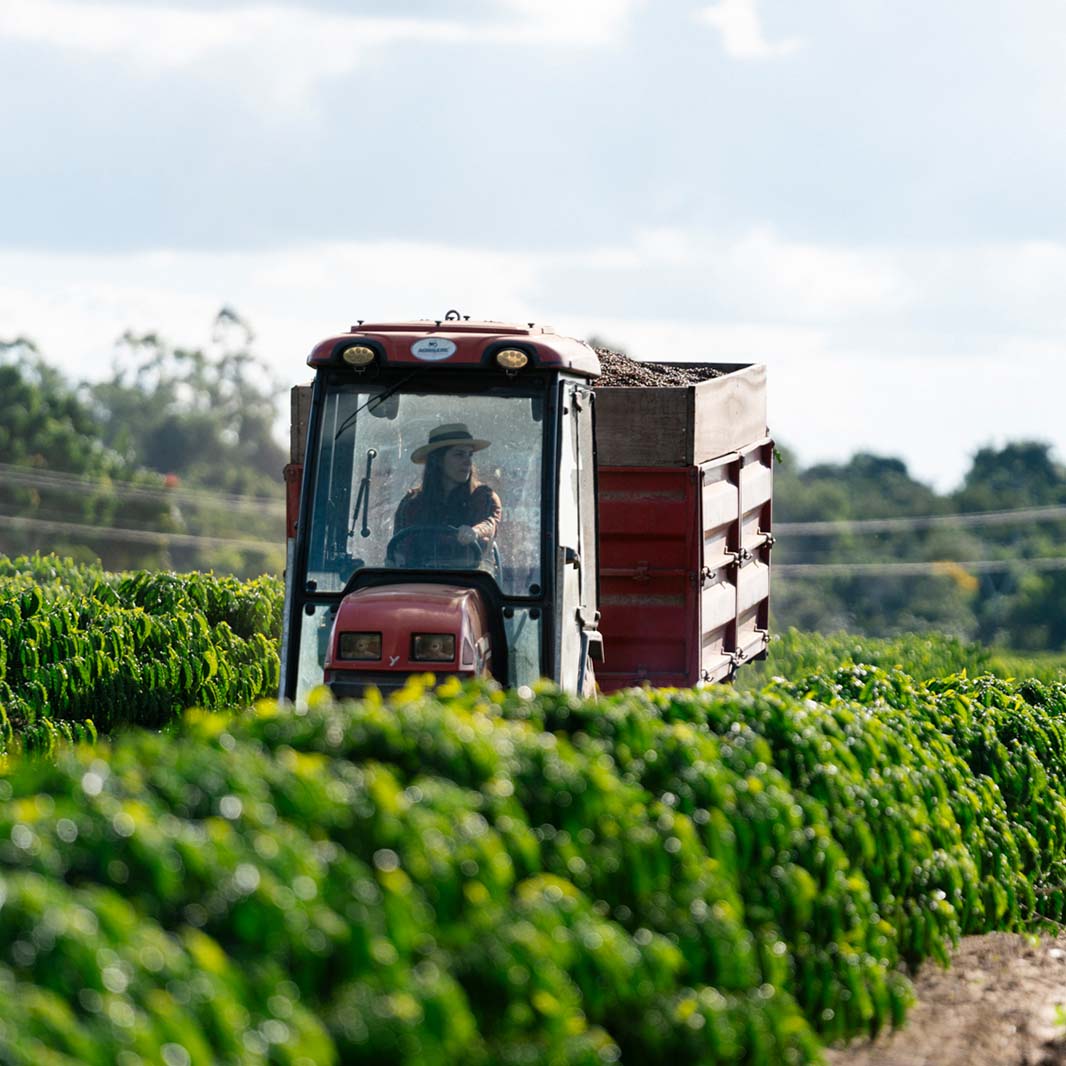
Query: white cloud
{"points": [[909, 302], [761, 276], [587, 22], [808, 281], [741, 29], [864, 349], [276, 55], [1016, 284], [291, 50], [76, 305]]}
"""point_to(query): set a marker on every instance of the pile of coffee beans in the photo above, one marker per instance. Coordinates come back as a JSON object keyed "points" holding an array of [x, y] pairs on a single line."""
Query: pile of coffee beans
{"points": [[617, 369]]}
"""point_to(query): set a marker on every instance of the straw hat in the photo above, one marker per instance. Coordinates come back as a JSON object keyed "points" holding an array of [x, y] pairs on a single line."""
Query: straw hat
{"points": [[448, 436]]}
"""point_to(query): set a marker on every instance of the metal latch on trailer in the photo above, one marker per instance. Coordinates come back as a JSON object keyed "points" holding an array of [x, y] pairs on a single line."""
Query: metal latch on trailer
{"points": [[739, 557]]}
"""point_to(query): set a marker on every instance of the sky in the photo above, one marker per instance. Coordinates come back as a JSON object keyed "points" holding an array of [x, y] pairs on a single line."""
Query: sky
{"points": [[865, 195]]}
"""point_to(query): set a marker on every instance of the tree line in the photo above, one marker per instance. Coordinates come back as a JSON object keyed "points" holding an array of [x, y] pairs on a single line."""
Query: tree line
{"points": [[170, 462], [173, 461], [995, 579]]}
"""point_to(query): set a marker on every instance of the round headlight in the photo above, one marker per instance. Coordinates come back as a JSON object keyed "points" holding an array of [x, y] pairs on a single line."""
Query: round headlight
{"points": [[512, 359], [358, 355]]}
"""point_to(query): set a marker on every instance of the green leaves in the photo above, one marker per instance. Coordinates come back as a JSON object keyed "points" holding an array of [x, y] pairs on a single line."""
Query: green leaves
{"points": [[438, 882], [471, 875], [79, 652]]}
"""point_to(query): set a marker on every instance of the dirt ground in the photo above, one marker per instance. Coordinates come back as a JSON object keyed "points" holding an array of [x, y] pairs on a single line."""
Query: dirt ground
{"points": [[1002, 1003]]}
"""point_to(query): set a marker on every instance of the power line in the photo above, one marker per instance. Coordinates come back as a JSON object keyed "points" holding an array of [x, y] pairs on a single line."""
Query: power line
{"points": [[33, 477], [193, 523], [918, 567], [907, 523], [914, 568], [137, 536]]}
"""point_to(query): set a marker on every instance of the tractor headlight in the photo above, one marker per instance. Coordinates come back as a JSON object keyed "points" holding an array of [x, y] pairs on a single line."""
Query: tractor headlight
{"points": [[433, 647], [365, 647]]}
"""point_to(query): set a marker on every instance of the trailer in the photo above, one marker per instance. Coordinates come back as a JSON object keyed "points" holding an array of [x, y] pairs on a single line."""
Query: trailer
{"points": [[685, 528], [631, 538]]}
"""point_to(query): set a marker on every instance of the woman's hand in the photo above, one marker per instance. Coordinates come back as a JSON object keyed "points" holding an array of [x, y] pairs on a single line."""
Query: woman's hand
{"points": [[466, 535]]}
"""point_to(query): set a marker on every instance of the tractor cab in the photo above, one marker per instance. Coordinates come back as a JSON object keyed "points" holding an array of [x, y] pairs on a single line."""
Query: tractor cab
{"points": [[442, 509]]}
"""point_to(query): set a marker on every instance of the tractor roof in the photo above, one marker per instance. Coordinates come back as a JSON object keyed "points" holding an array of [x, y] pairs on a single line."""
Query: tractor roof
{"points": [[450, 343]]}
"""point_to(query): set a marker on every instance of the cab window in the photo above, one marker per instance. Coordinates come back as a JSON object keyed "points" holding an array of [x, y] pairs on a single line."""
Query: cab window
{"points": [[375, 446]]}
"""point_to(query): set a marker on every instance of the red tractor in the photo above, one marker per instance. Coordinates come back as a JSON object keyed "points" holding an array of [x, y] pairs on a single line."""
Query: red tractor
{"points": [[464, 499]]}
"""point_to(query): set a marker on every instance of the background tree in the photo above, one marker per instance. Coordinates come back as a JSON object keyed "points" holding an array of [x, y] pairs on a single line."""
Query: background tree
{"points": [[1019, 606], [183, 441], [58, 475], [206, 415], [1020, 474], [869, 486], [178, 442]]}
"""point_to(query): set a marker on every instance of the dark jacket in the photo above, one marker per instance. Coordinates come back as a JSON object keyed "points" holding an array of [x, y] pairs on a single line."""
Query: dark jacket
{"points": [[480, 509]]}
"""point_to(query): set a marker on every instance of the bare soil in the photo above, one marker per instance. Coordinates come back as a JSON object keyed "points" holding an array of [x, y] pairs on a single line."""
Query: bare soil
{"points": [[1002, 1003], [618, 369]]}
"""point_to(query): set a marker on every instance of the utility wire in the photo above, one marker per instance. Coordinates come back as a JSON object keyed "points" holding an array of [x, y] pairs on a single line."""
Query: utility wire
{"points": [[137, 536], [787, 570], [33, 477], [907, 523], [153, 524], [918, 567]]}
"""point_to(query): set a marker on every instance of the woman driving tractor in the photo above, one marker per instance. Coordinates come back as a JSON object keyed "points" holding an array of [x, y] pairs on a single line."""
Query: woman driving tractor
{"points": [[451, 518]]}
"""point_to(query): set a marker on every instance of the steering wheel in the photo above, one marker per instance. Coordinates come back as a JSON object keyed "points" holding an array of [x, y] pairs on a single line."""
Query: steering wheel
{"points": [[427, 548]]}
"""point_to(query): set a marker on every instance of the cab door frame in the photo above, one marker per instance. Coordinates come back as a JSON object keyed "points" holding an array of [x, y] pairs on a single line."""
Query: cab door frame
{"points": [[577, 641]]}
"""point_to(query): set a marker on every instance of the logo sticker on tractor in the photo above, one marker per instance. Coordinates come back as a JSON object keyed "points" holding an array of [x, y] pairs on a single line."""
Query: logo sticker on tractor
{"points": [[432, 349]]}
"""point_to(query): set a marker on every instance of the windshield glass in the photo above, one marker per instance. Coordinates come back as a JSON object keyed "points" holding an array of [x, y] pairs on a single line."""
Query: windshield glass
{"points": [[422, 479]]}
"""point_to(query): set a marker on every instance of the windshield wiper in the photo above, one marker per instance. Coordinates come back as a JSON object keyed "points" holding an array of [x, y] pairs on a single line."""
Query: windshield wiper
{"points": [[362, 501], [377, 400]]}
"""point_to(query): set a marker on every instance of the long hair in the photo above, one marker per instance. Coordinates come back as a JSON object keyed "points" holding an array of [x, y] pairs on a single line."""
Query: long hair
{"points": [[433, 490]]}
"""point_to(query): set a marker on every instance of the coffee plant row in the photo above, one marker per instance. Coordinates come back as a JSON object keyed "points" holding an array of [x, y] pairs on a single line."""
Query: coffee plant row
{"points": [[924, 656], [500, 878], [82, 652]]}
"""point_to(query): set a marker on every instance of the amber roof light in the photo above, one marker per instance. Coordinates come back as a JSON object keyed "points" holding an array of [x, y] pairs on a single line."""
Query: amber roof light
{"points": [[358, 355], [512, 359]]}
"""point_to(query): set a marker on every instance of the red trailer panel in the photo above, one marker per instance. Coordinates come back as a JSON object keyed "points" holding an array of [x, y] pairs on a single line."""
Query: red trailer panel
{"points": [[684, 569], [648, 592]]}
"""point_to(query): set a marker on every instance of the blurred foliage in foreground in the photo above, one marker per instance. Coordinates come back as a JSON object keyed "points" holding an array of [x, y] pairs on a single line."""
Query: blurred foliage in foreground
{"points": [[488, 877]]}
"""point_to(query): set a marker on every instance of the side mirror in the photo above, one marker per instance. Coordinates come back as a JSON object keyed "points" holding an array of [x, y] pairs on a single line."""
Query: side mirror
{"points": [[387, 407]]}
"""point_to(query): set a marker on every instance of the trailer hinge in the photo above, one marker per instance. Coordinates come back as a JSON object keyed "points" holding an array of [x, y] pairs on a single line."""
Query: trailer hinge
{"points": [[768, 539], [740, 558], [736, 661]]}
